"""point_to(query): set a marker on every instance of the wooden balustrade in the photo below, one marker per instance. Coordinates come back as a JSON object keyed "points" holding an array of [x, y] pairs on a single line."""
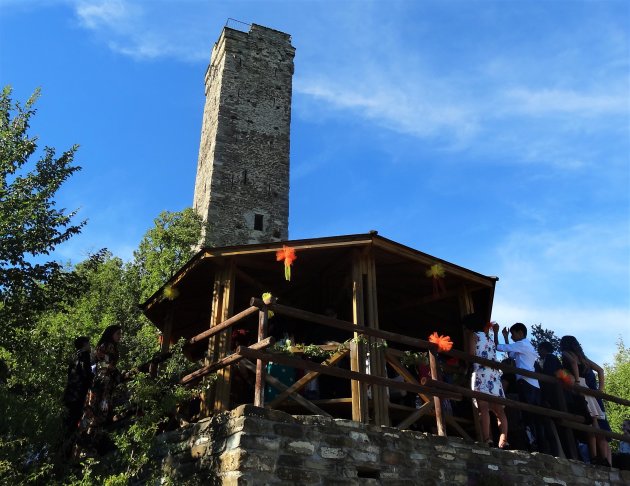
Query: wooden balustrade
{"points": [[427, 387]]}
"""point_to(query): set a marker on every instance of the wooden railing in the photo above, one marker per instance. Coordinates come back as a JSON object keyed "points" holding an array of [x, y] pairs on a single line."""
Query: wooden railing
{"points": [[431, 390]]}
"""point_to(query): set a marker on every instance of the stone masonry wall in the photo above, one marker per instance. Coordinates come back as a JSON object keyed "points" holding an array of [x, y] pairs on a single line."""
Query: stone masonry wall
{"points": [[255, 446], [242, 184]]}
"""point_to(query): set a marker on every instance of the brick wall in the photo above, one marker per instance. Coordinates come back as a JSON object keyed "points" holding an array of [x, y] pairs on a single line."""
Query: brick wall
{"points": [[254, 446]]}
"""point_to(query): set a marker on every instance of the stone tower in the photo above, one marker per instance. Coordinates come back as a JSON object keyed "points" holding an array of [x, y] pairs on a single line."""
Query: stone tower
{"points": [[242, 185]]}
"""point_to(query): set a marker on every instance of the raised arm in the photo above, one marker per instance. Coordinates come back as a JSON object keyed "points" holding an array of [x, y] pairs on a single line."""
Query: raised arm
{"points": [[505, 333], [495, 330], [600, 373]]}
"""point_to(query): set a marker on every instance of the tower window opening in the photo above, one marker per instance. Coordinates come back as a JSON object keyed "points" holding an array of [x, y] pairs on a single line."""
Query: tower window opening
{"points": [[258, 222], [244, 178]]}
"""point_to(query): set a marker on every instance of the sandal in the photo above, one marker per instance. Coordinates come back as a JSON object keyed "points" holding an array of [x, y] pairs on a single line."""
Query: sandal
{"points": [[503, 443]]}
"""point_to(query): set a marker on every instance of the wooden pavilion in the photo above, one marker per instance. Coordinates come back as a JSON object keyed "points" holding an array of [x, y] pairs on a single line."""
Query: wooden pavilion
{"points": [[365, 280]]}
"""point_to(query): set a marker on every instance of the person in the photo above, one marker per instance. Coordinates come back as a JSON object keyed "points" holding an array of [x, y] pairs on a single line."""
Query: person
{"points": [[98, 405], [576, 363], [624, 445], [621, 459], [525, 356], [80, 376], [549, 364], [485, 379], [602, 421]]}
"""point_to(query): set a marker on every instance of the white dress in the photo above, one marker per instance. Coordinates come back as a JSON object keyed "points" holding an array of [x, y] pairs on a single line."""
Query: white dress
{"points": [[484, 379]]}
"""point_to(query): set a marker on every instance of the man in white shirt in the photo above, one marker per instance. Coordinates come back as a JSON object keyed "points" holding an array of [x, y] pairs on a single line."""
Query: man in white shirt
{"points": [[525, 356]]}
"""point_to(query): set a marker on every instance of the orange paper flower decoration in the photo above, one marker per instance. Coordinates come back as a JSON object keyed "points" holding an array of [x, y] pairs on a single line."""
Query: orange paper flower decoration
{"points": [[287, 255], [443, 343], [565, 377]]}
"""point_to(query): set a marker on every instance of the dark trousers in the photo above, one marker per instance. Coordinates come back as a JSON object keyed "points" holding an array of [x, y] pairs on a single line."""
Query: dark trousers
{"points": [[530, 394]]}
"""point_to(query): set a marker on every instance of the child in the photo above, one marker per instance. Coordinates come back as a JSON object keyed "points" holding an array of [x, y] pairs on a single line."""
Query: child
{"points": [[525, 356]]}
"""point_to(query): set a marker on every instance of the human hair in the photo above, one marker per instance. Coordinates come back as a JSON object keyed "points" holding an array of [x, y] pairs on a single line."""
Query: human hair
{"points": [[473, 322], [108, 334], [571, 344], [519, 327], [81, 341], [546, 346]]}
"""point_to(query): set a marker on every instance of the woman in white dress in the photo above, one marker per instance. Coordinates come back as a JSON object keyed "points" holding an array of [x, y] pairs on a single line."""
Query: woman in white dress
{"points": [[485, 379]]}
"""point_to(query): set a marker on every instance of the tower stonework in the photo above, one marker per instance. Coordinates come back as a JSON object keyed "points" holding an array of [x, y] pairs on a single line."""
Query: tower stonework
{"points": [[242, 184]]}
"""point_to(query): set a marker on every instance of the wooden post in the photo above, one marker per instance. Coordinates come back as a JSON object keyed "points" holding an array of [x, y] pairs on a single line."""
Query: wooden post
{"points": [[259, 390], [360, 406], [466, 307], [436, 400], [219, 344], [380, 397]]}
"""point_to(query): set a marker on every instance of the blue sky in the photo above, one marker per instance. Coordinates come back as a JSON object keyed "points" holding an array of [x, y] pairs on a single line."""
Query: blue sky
{"points": [[493, 134]]}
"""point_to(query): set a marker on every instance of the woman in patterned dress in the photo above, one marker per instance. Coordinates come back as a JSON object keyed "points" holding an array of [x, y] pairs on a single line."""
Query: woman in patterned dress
{"points": [[98, 404], [485, 379]]}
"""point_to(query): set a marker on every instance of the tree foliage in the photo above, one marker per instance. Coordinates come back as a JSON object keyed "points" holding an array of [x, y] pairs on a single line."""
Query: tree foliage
{"points": [[110, 292], [31, 227], [44, 306], [539, 334], [165, 248], [618, 383]]}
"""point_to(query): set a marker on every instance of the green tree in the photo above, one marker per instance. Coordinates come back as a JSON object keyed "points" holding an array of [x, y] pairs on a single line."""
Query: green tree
{"points": [[538, 334], [618, 383], [30, 225], [37, 365], [31, 284], [165, 248], [43, 306]]}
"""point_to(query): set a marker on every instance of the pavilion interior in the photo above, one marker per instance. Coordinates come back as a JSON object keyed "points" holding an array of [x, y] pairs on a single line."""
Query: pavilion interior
{"points": [[408, 301]]}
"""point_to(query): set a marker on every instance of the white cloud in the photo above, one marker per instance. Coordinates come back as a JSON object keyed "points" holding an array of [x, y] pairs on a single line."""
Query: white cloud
{"points": [[402, 108], [539, 102], [147, 30], [589, 249], [597, 328], [99, 14], [573, 280]]}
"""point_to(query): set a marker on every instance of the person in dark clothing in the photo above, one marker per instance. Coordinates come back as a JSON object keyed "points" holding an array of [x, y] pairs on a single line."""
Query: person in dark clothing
{"points": [[548, 364], [99, 404], [80, 376], [575, 362]]}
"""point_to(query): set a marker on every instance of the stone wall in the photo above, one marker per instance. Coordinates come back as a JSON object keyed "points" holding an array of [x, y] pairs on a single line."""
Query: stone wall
{"points": [[242, 184], [254, 446]]}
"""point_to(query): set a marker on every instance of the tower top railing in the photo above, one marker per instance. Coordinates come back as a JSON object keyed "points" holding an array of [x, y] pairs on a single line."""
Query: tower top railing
{"points": [[237, 25]]}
